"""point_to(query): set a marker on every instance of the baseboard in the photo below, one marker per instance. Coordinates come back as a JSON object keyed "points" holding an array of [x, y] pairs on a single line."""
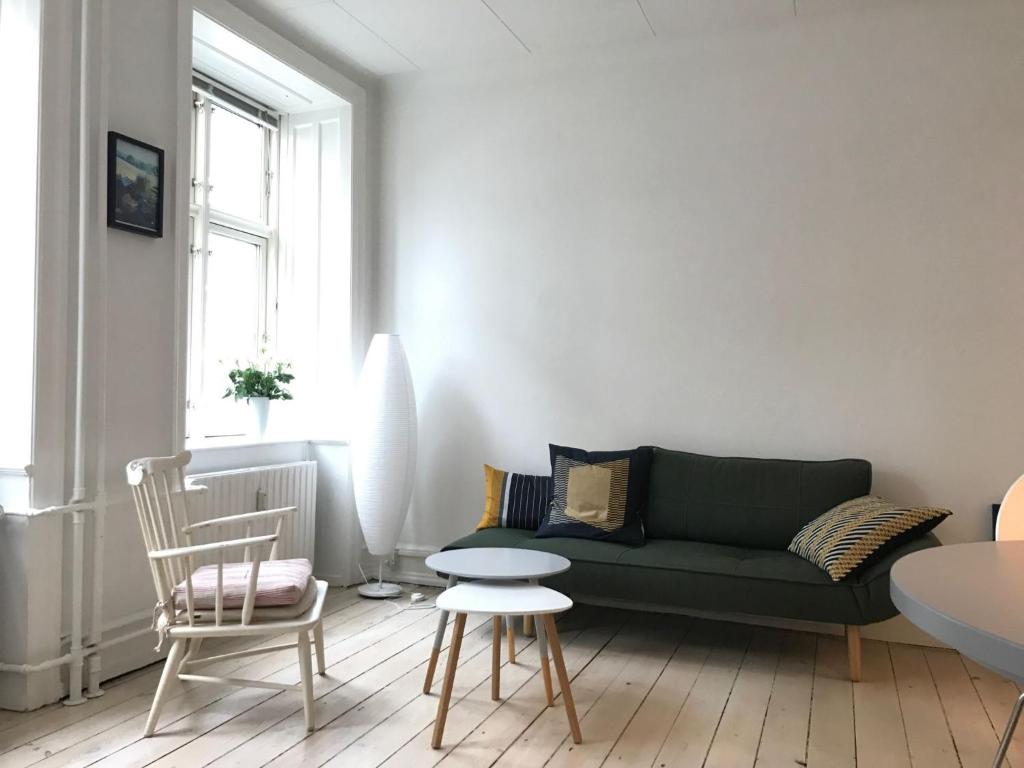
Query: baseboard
{"points": [[334, 580], [21, 692], [408, 566], [132, 654]]}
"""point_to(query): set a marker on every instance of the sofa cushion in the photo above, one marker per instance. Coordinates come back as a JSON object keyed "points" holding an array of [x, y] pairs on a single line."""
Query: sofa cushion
{"points": [[581, 550], [493, 537], [697, 576], [724, 560], [584, 550], [759, 503]]}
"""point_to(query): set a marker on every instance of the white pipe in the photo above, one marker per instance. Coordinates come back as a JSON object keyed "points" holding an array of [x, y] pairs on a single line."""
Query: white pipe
{"points": [[96, 628], [123, 638], [60, 509], [84, 227], [78, 566], [42, 665], [79, 651], [86, 506], [98, 103], [89, 652]]}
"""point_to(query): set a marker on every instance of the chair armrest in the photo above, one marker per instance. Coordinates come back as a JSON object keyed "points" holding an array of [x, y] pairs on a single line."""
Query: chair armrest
{"points": [[215, 546], [242, 518]]}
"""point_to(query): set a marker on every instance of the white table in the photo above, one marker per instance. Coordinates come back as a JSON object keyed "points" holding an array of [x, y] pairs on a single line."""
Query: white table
{"points": [[968, 596], [498, 564], [497, 599]]}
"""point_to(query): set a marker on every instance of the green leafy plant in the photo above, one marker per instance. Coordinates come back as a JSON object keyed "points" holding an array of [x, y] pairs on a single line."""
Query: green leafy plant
{"points": [[265, 379]]}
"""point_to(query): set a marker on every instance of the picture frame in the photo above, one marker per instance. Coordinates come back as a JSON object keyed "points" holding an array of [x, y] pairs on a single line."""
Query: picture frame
{"points": [[135, 185]]}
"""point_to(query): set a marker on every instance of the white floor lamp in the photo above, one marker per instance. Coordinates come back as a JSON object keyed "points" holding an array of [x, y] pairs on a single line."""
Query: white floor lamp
{"points": [[383, 452]]}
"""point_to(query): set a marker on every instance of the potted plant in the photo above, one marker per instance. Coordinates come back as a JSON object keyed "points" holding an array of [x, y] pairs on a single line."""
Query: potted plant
{"points": [[258, 384]]}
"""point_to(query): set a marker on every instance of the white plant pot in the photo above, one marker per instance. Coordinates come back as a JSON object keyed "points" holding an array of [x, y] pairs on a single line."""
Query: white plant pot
{"points": [[259, 409]]}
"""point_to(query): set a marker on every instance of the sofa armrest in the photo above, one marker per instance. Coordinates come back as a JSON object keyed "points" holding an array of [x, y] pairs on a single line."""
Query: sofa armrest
{"points": [[881, 567]]}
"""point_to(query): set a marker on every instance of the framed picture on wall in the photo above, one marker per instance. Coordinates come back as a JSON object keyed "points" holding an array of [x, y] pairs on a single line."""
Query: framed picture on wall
{"points": [[135, 185]]}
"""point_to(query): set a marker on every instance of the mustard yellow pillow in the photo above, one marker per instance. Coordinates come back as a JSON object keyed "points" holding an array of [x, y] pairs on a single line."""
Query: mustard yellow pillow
{"points": [[513, 500]]}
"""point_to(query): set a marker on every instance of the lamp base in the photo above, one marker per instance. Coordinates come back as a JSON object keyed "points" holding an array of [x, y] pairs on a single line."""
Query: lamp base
{"points": [[379, 590]]}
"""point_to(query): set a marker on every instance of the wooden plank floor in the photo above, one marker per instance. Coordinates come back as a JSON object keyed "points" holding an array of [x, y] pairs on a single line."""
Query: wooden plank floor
{"points": [[650, 690]]}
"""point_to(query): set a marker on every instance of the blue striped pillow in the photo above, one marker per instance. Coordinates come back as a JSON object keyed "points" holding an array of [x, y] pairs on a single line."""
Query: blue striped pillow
{"points": [[514, 501]]}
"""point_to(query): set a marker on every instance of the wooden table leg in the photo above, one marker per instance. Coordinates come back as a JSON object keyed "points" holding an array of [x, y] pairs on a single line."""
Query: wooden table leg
{"points": [[545, 668], [510, 627], [496, 658], [442, 622], [563, 678], [449, 680], [853, 651]]}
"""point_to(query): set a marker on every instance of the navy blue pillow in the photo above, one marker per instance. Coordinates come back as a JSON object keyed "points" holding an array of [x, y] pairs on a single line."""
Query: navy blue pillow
{"points": [[513, 500], [600, 495]]}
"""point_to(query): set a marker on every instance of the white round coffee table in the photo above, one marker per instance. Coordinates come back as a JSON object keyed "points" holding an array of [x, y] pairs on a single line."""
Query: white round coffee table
{"points": [[966, 595], [498, 564], [497, 599]]}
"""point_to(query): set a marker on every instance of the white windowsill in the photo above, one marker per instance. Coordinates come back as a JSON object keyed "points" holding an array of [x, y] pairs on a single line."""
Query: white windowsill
{"points": [[227, 454], [246, 441]]}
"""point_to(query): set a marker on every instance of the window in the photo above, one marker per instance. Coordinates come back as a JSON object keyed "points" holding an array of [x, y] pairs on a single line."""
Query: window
{"points": [[272, 240], [19, 76], [234, 249]]}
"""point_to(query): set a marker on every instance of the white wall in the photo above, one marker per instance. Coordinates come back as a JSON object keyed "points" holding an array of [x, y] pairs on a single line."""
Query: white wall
{"points": [[129, 392], [800, 241], [139, 65]]}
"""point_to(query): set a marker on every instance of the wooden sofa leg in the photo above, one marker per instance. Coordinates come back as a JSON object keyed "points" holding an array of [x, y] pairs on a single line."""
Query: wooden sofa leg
{"points": [[853, 649]]}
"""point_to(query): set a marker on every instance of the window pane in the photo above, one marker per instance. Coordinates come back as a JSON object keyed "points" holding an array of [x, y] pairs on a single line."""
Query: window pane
{"points": [[232, 314], [236, 165], [19, 65]]}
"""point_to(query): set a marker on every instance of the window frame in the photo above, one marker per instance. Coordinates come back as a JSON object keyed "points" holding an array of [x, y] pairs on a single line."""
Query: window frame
{"points": [[205, 220]]}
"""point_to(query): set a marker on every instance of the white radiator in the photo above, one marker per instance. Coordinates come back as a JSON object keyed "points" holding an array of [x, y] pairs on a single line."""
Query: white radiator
{"points": [[250, 490]]}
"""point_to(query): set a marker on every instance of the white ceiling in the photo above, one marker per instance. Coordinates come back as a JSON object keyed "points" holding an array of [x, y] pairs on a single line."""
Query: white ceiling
{"points": [[386, 37]]}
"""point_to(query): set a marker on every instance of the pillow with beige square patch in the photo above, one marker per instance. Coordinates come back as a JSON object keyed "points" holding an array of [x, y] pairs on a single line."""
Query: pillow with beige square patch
{"points": [[598, 494]]}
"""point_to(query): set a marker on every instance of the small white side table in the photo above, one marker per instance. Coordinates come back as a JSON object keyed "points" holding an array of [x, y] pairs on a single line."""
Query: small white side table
{"points": [[497, 599], [496, 564]]}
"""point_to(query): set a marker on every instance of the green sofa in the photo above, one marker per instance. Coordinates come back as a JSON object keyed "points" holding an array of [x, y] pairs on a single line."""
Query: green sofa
{"points": [[716, 536]]}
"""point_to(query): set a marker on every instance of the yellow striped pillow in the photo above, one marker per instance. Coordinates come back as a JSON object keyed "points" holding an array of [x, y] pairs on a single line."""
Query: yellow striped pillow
{"points": [[848, 535]]}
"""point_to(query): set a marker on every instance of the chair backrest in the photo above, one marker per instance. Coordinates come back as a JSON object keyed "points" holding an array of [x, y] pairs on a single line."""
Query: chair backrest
{"points": [[158, 488], [1010, 522], [161, 501]]}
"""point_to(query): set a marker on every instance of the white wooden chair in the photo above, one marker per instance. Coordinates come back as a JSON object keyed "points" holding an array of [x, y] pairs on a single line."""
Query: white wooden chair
{"points": [[187, 618], [1010, 521]]}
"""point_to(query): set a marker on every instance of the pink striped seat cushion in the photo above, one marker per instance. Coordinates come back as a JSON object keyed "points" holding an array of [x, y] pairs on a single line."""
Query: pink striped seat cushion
{"points": [[280, 582]]}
